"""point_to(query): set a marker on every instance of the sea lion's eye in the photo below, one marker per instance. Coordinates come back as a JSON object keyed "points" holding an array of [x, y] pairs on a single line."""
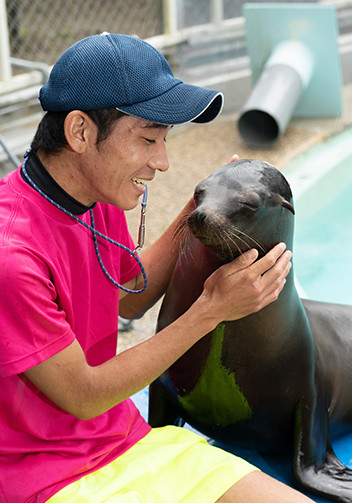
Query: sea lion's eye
{"points": [[251, 201], [251, 206]]}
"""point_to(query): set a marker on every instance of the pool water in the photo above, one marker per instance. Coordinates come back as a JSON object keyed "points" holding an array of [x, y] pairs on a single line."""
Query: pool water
{"points": [[321, 181]]}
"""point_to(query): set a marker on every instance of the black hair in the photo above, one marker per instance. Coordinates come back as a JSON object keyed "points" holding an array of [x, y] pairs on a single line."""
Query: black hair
{"points": [[50, 135]]}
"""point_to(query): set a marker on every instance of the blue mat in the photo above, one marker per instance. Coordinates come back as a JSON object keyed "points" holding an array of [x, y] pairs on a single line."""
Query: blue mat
{"points": [[278, 467]]}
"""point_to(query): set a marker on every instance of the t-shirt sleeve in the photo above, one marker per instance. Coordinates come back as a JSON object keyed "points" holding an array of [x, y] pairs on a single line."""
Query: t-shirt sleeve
{"points": [[32, 326]]}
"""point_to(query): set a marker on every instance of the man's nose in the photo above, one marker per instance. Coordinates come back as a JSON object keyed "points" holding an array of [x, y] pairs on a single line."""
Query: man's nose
{"points": [[159, 160]]}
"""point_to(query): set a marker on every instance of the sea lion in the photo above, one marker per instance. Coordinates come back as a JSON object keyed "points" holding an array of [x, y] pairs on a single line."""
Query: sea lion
{"points": [[277, 379]]}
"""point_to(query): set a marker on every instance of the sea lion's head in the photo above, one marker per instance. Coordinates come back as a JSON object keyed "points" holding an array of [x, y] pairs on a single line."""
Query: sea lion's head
{"points": [[245, 204]]}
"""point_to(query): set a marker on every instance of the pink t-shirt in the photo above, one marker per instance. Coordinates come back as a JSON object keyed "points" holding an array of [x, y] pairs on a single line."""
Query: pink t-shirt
{"points": [[52, 292]]}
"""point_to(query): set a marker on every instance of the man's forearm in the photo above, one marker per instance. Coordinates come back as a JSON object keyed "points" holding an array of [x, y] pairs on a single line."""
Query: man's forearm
{"points": [[86, 392], [159, 261], [231, 292]]}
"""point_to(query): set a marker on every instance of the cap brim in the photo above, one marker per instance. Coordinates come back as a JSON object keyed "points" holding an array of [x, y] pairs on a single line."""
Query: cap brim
{"points": [[181, 104]]}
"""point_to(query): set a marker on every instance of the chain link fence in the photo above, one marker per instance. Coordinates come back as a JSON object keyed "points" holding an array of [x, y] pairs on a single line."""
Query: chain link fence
{"points": [[41, 30]]}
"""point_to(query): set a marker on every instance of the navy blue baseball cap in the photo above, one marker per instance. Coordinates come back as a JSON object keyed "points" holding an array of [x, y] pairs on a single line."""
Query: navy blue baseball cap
{"points": [[123, 72]]}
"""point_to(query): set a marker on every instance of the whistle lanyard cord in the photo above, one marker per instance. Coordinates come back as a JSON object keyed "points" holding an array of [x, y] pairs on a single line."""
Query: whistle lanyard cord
{"points": [[95, 233]]}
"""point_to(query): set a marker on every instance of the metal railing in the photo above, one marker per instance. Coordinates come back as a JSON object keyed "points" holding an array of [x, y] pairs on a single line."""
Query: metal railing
{"points": [[40, 30]]}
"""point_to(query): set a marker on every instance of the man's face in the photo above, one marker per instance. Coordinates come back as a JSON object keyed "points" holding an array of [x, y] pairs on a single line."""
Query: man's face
{"points": [[117, 169]]}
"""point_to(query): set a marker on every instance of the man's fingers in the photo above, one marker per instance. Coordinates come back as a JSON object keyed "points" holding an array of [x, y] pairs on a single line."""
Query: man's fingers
{"points": [[234, 158], [273, 281], [270, 276], [243, 261], [264, 265], [276, 257]]}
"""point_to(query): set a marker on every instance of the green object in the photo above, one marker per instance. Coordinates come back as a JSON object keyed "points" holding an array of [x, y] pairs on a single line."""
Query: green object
{"points": [[216, 387]]}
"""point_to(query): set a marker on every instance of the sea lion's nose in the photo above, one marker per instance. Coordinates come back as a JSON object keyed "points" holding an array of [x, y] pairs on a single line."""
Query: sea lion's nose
{"points": [[197, 218]]}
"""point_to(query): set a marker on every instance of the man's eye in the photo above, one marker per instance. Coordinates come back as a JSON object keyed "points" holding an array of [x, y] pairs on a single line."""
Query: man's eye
{"points": [[150, 140]]}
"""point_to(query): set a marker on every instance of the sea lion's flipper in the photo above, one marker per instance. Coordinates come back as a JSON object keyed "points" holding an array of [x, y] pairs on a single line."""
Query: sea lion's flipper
{"points": [[333, 479], [315, 465], [161, 411]]}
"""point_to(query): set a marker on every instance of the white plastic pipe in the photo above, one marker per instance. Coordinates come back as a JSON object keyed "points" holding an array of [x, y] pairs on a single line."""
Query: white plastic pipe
{"points": [[271, 104]]}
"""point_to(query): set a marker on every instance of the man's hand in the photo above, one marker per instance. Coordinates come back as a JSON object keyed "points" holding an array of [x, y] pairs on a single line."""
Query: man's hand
{"points": [[243, 287], [234, 158]]}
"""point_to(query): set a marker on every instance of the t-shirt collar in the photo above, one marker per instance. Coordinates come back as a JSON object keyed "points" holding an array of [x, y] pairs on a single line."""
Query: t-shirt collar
{"points": [[42, 178]]}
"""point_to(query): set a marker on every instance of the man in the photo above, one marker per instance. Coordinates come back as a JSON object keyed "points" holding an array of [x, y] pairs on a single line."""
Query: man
{"points": [[69, 431]]}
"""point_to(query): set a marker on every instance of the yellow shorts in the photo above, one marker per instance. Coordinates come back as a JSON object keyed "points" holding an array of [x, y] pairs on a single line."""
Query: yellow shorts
{"points": [[169, 464]]}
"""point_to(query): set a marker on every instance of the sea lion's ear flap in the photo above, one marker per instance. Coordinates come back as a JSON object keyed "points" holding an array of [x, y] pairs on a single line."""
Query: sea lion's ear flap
{"points": [[281, 201], [287, 205]]}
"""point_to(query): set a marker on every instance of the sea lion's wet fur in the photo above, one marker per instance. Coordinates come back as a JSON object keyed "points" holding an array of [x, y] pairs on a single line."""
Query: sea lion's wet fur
{"points": [[277, 378]]}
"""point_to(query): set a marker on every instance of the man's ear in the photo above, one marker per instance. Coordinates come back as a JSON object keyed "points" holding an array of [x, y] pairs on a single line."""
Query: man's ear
{"points": [[80, 131]]}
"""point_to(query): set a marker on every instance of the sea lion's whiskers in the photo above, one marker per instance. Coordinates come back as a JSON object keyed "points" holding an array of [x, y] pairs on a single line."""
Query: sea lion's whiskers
{"points": [[232, 241], [231, 252], [224, 237], [182, 231], [232, 235], [181, 226], [183, 235], [235, 230]]}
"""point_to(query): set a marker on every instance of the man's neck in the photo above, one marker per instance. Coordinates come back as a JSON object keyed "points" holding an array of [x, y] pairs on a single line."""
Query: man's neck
{"points": [[41, 176]]}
